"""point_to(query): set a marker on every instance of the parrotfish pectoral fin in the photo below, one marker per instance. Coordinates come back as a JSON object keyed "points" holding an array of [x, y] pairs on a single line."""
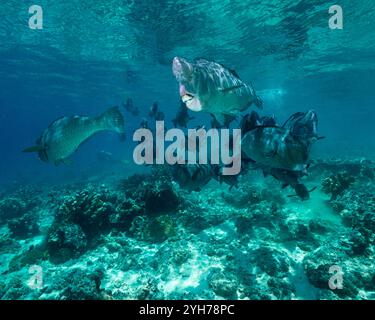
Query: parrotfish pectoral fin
{"points": [[33, 149]]}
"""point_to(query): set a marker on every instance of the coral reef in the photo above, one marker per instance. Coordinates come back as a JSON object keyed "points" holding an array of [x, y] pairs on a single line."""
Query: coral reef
{"points": [[89, 209], [356, 272], [361, 169], [150, 239], [14, 207], [65, 241], [15, 289], [223, 284], [23, 227], [80, 285], [32, 255], [337, 184], [153, 229], [272, 262], [154, 192]]}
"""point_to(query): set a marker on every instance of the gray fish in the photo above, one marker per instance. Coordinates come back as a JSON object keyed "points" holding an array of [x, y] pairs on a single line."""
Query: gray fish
{"points": [[208, 86], [192, 177], [64, 136], [303, 126], [290, 178], [282, 147], [253, 120], [195, 176]]}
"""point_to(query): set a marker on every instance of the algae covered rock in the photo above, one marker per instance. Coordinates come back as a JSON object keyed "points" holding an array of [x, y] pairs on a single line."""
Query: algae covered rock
{"points": [[266, 218], [34, 255], [80, 220], [8, 244], [153, 229], [172, 254], [78, 284], [273, 262], [357, 209], [223, 284], [161, 199], [13, 207], [124, 214], [16, 289], [65, 241], [322, 265], [23, 227], [154, 192], [88, 209], [337, 184], [281, 289]]}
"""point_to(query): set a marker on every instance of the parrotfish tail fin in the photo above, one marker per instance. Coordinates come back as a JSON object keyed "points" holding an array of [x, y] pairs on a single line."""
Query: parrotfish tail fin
{"points": [[113, 120]]}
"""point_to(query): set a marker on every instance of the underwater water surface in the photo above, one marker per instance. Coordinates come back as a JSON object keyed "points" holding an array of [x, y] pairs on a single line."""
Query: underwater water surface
{"points": [[100, 226]]}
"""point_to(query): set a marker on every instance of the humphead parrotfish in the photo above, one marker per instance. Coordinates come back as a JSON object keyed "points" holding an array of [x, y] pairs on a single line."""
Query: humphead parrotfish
{"points": [[208, 86], [286, 147], [194, 177], [64, 135], [290, 178]]}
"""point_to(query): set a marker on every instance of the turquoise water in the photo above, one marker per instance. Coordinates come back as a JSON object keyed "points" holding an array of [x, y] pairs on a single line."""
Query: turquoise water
{"points": [[92, 55]]}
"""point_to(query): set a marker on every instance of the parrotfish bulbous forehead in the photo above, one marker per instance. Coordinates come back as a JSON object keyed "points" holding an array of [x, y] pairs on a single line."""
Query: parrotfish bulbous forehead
{"points": [[184, 73], [182, 69]]}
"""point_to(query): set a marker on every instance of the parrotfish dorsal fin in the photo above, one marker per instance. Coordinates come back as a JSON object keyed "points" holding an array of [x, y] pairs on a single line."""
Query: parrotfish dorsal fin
{"points": [[37, 148]]}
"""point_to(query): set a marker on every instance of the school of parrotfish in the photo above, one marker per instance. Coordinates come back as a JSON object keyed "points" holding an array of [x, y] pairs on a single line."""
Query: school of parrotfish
{"points": [[281, 151]]}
